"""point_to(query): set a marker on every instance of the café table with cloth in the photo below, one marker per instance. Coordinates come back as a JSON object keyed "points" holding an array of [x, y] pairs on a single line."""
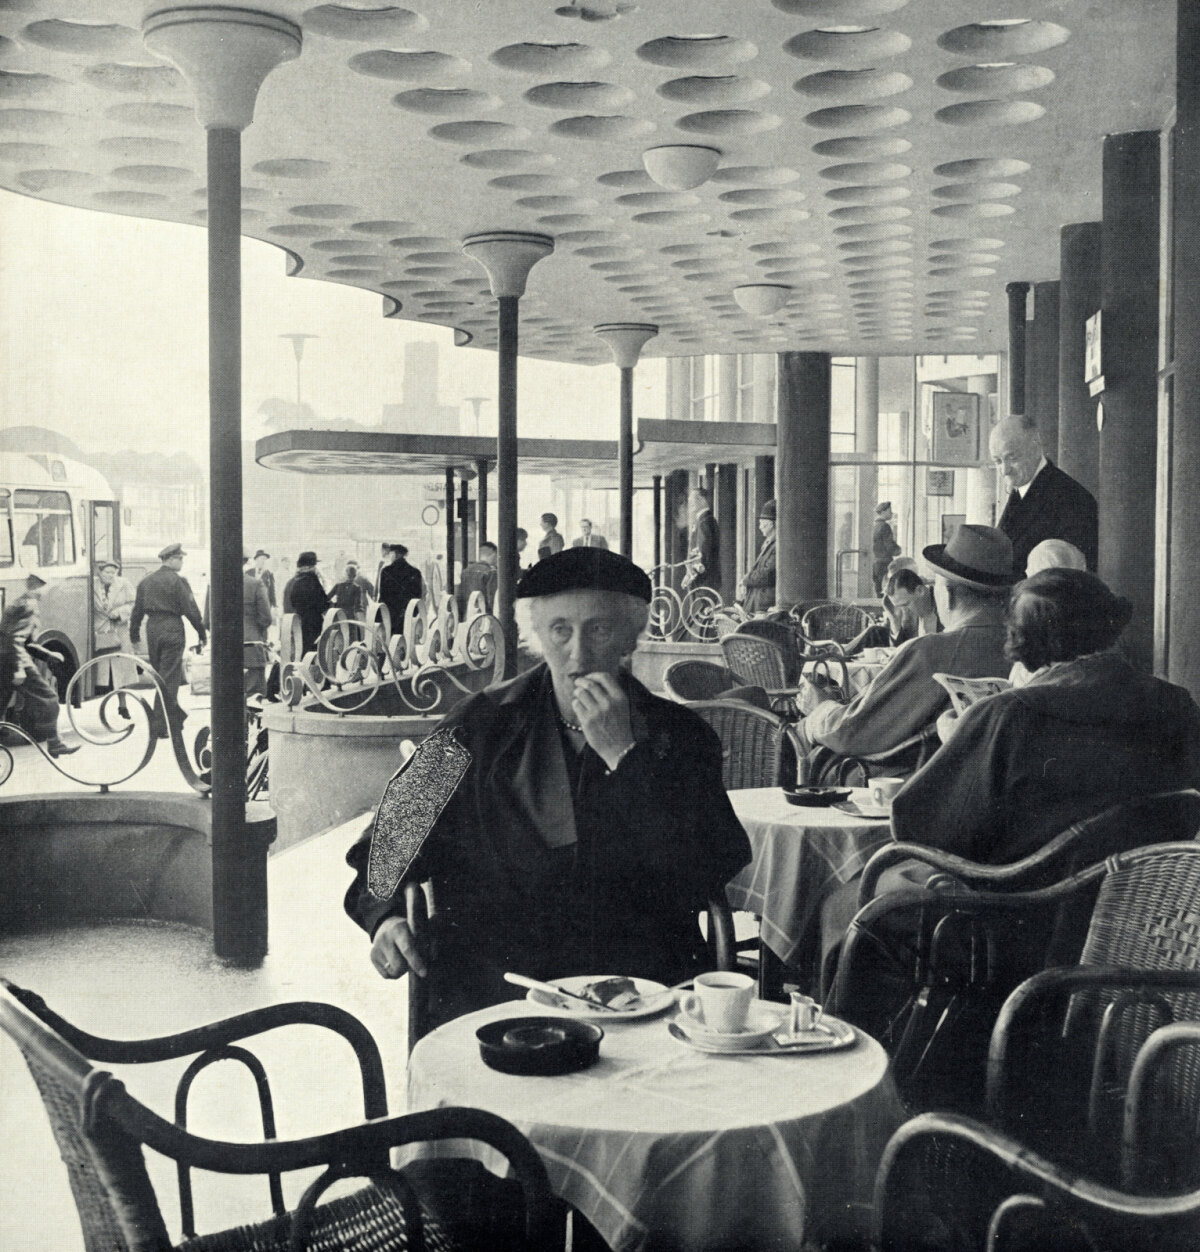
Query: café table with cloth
{"points": [[859, 670], [799, 855], [663, 1147]]}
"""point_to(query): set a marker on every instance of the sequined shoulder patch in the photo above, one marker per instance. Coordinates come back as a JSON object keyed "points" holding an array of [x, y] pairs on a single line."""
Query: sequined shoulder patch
{"points": [[412, 802]]}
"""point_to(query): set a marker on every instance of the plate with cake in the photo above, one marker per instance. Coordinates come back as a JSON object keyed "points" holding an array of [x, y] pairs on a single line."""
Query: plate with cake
{"points": [[614, 997]]}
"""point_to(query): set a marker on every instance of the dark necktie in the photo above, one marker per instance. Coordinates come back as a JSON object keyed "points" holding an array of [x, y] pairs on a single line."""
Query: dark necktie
{"points": [[1014, 501]]}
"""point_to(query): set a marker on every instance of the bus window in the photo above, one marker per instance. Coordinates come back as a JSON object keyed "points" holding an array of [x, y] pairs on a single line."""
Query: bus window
{"points": [[43, 520], [103, 545]]}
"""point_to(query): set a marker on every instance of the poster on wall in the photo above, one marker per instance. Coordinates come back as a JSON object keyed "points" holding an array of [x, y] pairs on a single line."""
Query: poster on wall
{"points": [[955, 428], [939, 482]]}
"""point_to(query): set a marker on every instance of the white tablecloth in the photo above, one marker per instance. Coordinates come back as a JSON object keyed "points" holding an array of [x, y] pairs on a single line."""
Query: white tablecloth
{"points": [[661, 1146], [800, 855], [859, 671]]}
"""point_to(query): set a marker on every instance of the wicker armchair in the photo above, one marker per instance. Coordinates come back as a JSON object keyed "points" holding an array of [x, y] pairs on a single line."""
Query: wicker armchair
{"points": [[785, 637], [759, 748], [686, 681], [101, 1131], [974, 932], [1076, 1068], [840, 622]]}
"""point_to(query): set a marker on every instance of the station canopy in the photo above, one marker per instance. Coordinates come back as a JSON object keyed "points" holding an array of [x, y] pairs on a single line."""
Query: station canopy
{"points": [[890, 165]]}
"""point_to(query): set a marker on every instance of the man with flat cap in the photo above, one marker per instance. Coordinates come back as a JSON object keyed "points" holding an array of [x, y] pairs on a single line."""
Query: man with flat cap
{"points": [[571, 821], [973, 575], [162, 601]]}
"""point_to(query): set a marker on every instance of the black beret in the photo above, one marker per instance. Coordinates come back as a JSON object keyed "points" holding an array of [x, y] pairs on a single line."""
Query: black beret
{"points": [[584, 569]]}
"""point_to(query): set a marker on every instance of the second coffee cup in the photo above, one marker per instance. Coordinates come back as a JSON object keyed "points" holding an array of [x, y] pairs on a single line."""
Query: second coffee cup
{"points": [[721, 1001]]}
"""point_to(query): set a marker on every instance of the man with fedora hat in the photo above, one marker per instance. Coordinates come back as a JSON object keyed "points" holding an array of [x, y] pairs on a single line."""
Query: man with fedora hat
{"points": [[757, 590], [973, 575], [304, 596], [162, 601]]}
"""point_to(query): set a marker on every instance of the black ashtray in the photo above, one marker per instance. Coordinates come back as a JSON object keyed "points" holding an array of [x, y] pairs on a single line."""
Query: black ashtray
{"points": [[539, 1045], [816, 797]]}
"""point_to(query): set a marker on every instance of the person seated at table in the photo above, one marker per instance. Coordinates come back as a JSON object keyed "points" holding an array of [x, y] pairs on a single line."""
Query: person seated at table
{"points": [[571, 821], [910, 608], [972, 577], [1083, 732]]}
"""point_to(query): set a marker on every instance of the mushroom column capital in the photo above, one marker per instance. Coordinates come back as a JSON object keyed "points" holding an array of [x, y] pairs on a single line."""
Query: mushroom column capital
{"points": [[225, 53], [626, 340], [507, 256]]}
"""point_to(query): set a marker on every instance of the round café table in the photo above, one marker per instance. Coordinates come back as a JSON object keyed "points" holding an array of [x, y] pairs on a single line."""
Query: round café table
{"points": [[663, 1147], [798, 856]]}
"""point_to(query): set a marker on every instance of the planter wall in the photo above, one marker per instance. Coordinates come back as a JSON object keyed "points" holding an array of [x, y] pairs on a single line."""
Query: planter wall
{"points": [[651, 659]]}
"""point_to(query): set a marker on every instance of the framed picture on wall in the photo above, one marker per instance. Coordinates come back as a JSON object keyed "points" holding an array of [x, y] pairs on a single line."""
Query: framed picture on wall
{"points": [[955, 428], [939, 482], [950, 523]]}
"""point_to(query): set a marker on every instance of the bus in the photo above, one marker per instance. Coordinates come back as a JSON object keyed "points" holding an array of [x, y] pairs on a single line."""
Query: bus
{"points": [[58, 517]]}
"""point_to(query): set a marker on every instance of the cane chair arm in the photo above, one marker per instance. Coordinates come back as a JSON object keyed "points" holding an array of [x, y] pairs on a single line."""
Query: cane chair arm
{"points": [[1061, 1191], [1140, 1126], [362, 1150], [722, 942], [220, 1034], [1032, 999]]}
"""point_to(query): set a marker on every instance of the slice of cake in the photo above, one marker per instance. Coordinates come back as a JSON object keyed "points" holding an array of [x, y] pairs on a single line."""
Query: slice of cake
{"points": [[615, 993]]}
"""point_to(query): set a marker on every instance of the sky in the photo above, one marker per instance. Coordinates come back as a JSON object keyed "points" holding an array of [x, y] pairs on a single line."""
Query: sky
{"points": [[103, 337]]}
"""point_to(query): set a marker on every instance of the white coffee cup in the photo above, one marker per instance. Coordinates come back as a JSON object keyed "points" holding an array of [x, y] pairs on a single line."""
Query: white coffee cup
{"points": [[721, 1001], [883, 791]]}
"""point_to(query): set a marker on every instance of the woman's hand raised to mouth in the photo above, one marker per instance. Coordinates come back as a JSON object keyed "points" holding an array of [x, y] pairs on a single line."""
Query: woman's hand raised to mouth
{"points": [[602, 709]]}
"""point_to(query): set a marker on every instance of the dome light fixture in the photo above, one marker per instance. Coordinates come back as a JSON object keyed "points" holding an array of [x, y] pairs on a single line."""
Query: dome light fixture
{"points": [[681, 166], [762, 299]]}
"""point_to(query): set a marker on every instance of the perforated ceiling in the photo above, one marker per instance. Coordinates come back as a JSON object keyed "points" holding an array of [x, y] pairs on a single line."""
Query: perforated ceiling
{"points": [[892, 162]]}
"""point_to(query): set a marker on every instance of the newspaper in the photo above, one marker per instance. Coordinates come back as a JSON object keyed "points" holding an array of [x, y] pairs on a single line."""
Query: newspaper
{"points": [[967, 691]]}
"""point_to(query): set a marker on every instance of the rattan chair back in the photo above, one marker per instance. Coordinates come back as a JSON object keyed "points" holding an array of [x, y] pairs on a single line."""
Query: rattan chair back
{"points": [[755, 745], [696, 680], [837, 621], [784, 636], [755, 662]]}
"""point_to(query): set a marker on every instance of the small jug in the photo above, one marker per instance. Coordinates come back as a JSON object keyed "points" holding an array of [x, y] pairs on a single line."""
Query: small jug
{"points": [[806, 1013]]}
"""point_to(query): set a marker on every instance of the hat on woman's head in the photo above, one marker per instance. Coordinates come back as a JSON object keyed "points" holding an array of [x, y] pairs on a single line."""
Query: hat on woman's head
{"points": [[108, 565], [306, 558], [882, 507], [768, 510], [584, 569], [977, 556]]}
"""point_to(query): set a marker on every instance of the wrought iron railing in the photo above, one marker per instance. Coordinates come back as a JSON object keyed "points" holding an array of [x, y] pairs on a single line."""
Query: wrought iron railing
{"points": [[139, 718], [689, 614], [432, 662]]}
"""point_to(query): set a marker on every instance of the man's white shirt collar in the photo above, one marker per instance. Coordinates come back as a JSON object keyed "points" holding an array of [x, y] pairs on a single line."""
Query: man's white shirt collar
{"points": [[1041, 466]]}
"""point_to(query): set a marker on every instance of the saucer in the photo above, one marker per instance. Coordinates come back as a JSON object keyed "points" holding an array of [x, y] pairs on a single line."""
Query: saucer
{"points": [[764, 1018]]}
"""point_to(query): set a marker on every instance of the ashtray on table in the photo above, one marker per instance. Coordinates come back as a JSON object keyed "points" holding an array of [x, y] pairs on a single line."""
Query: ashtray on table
{"points": [[539, 1045], [816, 797]]}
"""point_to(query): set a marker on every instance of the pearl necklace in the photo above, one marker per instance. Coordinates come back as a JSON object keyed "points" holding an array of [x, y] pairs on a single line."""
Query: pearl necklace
{"points": [[571, 726]]}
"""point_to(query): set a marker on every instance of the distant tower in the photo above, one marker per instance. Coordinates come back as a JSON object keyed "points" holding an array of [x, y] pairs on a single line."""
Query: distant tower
{"points": [[419, 412]]}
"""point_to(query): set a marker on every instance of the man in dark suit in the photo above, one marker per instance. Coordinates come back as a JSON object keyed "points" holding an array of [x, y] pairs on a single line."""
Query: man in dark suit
{"points": [[1043, 501], [704, 550], [399, 584]]}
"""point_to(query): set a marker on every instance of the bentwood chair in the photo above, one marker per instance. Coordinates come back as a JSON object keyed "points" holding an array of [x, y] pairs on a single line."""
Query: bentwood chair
{"points": [[972, 933], [101, 1131], [1091, 1139], [837, 621]]}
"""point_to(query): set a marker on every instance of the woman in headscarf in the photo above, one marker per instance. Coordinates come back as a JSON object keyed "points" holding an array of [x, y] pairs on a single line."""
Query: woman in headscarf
{"points": [[112, 605], [27, 700]]}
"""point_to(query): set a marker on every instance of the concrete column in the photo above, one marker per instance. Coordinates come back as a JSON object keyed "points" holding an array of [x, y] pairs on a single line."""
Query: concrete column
{"points": [[464, 518], [802, 476], [449, 532], [1180, 594], [225, 54], [1079, 299], [1017, 293], [625, 340], [507, 256], [481, 492], [679, 389], [866, 445], [1129, 439], [725, 508], [656, 488], [1041, 380]]}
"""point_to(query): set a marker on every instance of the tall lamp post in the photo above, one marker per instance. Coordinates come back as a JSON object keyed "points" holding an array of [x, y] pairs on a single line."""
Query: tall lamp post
{"points": [[225, 53], [476, 403], [298, 349]]}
